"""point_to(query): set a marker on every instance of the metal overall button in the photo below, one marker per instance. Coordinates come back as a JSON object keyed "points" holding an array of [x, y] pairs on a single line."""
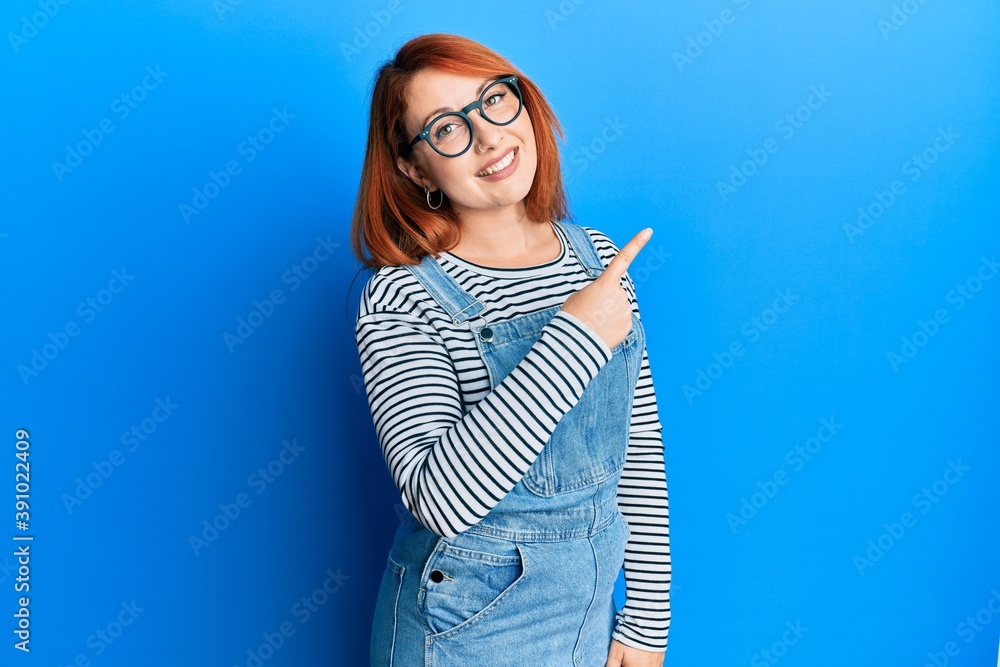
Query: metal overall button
{"points": [[437, 576], [485, 332]]}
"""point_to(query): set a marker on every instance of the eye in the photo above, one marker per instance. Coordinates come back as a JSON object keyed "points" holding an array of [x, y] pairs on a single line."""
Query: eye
{"points": [[441, 130], [492, 97]]}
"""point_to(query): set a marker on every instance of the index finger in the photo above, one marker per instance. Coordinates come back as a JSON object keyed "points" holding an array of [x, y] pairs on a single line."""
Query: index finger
{"points": [[619, 264]]}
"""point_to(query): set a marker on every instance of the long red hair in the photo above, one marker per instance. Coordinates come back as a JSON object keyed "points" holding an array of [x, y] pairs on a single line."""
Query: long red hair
{"points": [[391, 216]]}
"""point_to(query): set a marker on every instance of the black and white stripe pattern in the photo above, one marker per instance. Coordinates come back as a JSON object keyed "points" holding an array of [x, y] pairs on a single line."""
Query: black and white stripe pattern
{"points": [[455, 449]]}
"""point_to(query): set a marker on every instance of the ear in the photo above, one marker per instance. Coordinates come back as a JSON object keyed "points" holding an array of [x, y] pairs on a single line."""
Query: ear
{"points": [[413, 172]]}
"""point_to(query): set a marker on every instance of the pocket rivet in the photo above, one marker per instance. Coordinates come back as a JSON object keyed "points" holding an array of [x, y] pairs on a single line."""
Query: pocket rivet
{"points": [[437, 576]]}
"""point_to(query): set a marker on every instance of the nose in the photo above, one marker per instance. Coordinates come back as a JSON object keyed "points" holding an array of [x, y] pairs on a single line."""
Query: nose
{"points": [[484, 132]]}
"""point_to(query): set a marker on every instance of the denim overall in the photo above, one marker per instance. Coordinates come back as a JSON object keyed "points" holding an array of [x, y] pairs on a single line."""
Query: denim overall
{"points": [[532, 583]]}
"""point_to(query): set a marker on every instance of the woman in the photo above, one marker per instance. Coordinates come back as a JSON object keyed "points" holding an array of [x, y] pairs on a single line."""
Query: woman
{"points": [[505, 366]]}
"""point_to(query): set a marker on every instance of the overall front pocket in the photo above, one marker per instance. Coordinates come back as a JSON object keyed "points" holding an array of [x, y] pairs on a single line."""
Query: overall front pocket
{"points": [[460, 587]]}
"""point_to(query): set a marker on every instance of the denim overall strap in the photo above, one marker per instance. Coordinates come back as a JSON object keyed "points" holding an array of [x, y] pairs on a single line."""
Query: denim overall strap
{"points": [[583, 245], [459, 304]]}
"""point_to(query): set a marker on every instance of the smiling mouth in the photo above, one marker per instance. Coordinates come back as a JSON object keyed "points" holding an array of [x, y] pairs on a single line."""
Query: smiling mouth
{"points": [[499, 166]]}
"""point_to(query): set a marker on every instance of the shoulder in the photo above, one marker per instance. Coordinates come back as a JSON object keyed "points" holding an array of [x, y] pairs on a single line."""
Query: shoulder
{"points": [[388, 289], [393, 291]]}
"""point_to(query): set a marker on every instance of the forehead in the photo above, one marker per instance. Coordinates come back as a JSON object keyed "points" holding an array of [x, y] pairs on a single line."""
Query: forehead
{"points": [[431, 89]]}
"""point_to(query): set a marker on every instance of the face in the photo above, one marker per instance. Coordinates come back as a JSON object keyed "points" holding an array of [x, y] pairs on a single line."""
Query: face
{"points": [[458, 177]]}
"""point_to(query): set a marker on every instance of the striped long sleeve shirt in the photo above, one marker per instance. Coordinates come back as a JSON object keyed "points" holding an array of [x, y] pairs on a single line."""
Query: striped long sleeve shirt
{"points": [[455, 448]]}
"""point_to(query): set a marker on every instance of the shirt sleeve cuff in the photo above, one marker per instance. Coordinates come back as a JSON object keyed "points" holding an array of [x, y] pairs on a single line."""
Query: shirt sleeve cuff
{"points": [[630, 635], [628, 641]]}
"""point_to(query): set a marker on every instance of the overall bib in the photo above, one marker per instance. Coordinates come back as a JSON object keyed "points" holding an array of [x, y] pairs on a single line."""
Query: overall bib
{"points": [[532, 583]]}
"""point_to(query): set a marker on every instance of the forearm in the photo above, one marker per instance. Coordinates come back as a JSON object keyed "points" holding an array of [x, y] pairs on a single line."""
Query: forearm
{"points": [[452, 468]]}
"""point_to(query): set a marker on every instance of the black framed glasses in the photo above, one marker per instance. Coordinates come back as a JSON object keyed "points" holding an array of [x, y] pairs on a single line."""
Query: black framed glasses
{"points": [[450, 134]]}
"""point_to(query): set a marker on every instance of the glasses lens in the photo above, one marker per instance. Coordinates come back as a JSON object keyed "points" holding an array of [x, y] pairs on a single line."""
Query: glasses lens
{"points": [[450, 134], [501, 103]]}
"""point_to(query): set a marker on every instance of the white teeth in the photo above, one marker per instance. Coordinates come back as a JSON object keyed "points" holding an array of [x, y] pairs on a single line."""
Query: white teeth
{"points": [[502, 164]]}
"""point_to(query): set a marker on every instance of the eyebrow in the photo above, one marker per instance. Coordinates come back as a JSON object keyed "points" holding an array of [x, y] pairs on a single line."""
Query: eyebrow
{"points": [[479, 91]]}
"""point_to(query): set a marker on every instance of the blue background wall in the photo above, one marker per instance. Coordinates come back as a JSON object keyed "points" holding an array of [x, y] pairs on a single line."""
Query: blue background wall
{"points": [[177, 331]]}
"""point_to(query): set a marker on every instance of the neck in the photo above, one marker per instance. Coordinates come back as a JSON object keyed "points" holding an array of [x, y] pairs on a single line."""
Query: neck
{"points": [[498, 238]]}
